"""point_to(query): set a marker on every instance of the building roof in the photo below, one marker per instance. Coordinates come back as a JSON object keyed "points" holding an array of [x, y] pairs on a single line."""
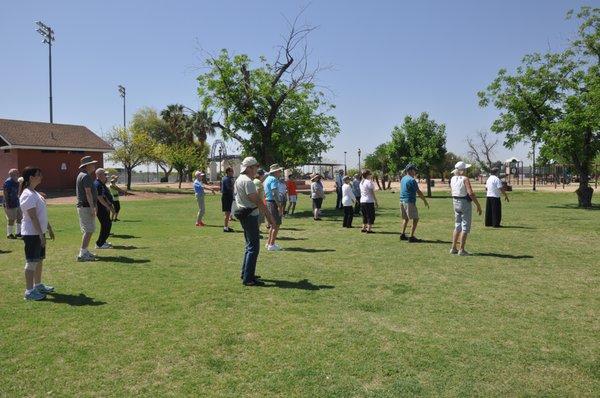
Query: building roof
{"points": [[20, 134]]}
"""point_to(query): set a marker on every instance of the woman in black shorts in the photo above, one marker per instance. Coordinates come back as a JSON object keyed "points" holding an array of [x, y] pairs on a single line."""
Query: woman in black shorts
{"points": [[368, 201], [317, 193]]}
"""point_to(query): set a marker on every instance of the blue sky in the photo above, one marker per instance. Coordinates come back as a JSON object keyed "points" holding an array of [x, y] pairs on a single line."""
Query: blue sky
{"points": [[390, 58]]}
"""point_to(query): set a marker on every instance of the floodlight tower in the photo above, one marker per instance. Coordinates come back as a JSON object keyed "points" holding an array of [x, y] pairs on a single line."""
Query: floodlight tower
{"points": [[122, 94], [48, 35]]}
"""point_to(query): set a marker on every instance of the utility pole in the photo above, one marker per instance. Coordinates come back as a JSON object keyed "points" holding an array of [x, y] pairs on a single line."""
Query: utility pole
{"points": [[359, 169], [48, 35], [345, 167], [122, 94]]}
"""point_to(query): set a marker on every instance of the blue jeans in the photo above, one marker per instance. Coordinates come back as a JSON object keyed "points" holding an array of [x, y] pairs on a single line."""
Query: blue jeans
{"points": [[251, 234]]}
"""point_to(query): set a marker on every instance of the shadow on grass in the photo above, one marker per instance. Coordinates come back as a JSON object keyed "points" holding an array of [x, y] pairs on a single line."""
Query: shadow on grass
{"points": [[124, 236], [573, 206], [503, 255], [289, 238], [5, 251], [516, 227], [126, 247], [291, 229], [306, 250], [303, 284], [122, 259], [129, 221], [73, 300], [437, 241]]}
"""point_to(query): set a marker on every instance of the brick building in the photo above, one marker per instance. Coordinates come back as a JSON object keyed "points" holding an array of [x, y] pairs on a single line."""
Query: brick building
{"points": [[55, 148]]}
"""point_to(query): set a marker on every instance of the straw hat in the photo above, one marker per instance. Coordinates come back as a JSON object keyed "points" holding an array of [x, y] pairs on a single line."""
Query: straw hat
{"points": [[275, 167], [86, 160], [315, 176]]}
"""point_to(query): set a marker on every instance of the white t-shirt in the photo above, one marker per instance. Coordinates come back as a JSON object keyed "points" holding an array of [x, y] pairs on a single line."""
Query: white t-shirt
{"points": [[493, 185], [348, 197], [367, 189], [459, 189], [30, 199], [243, 187]]}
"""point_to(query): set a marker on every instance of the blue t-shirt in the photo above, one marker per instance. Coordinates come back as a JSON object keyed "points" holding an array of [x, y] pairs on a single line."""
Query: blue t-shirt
{"points": [[198, 187], [11, 190], [270, 184], [409, 187]]}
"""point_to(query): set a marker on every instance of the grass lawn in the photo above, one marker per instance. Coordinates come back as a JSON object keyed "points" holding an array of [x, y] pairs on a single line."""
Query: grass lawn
{"points": [[343, 313]]}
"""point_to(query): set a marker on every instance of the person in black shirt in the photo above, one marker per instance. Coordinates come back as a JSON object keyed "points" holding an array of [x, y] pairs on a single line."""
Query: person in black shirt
{"points": [[227, 197], [105, 209]]}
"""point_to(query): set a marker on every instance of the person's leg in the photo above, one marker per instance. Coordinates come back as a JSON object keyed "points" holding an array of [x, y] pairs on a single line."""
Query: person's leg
{"points": [[489, 212], [466, 224], [252, 248], [495, 218], [293, 207], [117, 205], [29, 274], [456, 234], [345, 222], [455, 238], [415, 222], [10, 223], [37, 276], [226, 219], [370, 215], [85, 241], [463, 240], [499, 213], [363, 209], [105, 225]]}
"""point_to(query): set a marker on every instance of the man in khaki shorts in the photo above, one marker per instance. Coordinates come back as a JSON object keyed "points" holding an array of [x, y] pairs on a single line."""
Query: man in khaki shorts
{"points": [[11, 205], [409, 189], [86, 206]]}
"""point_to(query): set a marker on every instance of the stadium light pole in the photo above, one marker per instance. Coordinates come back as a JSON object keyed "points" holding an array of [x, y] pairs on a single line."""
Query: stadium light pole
{"points": [[345, 167], [359, 160], [122, 94], [48, 35]]}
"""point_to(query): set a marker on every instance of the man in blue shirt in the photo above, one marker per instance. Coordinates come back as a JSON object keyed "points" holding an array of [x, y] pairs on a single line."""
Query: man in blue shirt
{"points": [[272, 197], [409, 189], [11, 205]]}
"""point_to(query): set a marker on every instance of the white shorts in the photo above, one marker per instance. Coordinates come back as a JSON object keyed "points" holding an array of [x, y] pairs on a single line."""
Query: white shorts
{"points": [[293, 198]]}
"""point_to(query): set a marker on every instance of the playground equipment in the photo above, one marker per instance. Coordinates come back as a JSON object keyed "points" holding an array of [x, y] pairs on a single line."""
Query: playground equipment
{"points": [[514, 171]]}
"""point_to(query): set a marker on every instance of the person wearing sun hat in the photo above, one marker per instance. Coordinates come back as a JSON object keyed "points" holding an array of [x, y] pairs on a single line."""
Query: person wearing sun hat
{"points": [[86, 205], [273, 199], [462, 196], [409, 189], [317, 194], [249, 205]]}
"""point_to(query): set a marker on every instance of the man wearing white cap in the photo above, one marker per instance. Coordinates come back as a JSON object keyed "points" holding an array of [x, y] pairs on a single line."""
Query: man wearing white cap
{"points": [[86, 205], [462, 196], [249, 204], [11, 205]]}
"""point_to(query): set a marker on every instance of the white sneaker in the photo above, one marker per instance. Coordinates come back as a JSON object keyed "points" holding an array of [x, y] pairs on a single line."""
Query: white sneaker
{"points": [[104, 246], [453, 251], [463, 252], [87, 256], [273, 248]]}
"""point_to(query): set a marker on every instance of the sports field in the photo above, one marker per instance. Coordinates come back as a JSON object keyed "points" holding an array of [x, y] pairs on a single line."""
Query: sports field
{"points": [[343, 313]]}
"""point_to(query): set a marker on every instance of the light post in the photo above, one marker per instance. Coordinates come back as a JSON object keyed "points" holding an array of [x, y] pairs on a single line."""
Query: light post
{"points": [[345, 167], [359, 169], [122, 94], [221, 161], [48, 35]]}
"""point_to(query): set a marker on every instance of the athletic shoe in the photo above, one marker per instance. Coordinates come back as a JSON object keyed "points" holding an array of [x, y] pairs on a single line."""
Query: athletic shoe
{"points": [[104, 246], [11, 236], [255, 282], [370, 231], [44, 288], [34, 295], [412, 239], [273, 248], [453, 251], [463, 252], [86, 257], [18, 236], [228, 229], [197, 224], [403, 237]]}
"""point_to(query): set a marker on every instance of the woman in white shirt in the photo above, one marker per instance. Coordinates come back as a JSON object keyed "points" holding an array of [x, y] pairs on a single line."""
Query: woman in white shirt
{"points": [[368, 201], [493, 204], [462, 196], [33, 229], [317, 193], [348, 201]]}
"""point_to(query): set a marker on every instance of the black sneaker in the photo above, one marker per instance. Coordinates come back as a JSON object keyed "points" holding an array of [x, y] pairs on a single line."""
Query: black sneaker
{"points": [[403, 237], [370, 232], [363, 230], [228, 229], [11, 236], [412, 239]]}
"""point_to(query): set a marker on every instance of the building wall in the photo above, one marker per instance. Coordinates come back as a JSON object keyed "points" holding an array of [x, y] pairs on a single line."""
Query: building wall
{"points": [[52, 163], [8, 160]]}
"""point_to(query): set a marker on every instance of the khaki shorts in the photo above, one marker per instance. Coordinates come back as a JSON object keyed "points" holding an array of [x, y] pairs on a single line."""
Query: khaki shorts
{"points": [[87, 221], [14, 214], [409, 211]]}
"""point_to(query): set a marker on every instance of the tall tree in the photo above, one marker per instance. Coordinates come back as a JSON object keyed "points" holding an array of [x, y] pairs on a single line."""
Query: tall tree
{"points": [[482, 149], [201, 125], [422, 141], [147, 120], [132, 149], [177, 124], [554, 99], [379, 161], [186, 158], [273, 110]]}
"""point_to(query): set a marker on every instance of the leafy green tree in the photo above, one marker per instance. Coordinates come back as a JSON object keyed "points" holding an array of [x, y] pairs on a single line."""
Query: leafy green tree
{"points": [[201, 125], [272, 109], [148, 120], [379, 162], [554, 99], [419, 140], [177, 125], [186, 158], [132, 149]]}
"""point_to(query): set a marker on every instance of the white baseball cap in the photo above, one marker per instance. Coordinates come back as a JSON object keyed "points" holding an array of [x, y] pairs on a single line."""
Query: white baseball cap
{"points": [[460, 166]]}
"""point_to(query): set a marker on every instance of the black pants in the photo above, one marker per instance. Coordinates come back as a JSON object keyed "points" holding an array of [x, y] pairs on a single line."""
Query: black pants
{"points": [[368, 213], [357, 205], [117, 205], [338, 202], [348, 216], [493, 212], [105, 225]]}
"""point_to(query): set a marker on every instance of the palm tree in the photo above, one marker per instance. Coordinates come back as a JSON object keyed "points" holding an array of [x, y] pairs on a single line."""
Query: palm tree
{"points": [[201, 125], [177, 121]]}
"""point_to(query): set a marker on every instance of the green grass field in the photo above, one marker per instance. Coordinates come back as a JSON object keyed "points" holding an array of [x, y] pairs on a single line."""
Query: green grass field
{"points": [[343, 313]]}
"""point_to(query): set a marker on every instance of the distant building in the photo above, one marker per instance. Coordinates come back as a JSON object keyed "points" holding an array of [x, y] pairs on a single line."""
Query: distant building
{"points": [[55, 148]]}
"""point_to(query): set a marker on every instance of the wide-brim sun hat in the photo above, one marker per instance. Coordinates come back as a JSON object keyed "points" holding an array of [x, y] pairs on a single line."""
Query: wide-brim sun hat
{"points": [[460, 166], [87, 160], [315, 176], [275, 167], [248, 162]]}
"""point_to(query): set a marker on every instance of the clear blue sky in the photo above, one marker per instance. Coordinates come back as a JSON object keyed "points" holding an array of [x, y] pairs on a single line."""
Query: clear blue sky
{"points": [[391, 58]]}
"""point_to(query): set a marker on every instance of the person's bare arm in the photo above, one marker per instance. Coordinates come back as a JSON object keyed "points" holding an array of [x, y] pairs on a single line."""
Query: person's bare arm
{"points": [[422, 197], [472, 195], [254, 198], [90, 199]]}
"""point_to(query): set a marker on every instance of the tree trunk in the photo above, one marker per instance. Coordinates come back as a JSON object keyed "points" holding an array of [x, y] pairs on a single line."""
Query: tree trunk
{"points": [[180, 177], [584, 192], [428, 182], [377, 181], [128, 170], [389, 184]]}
